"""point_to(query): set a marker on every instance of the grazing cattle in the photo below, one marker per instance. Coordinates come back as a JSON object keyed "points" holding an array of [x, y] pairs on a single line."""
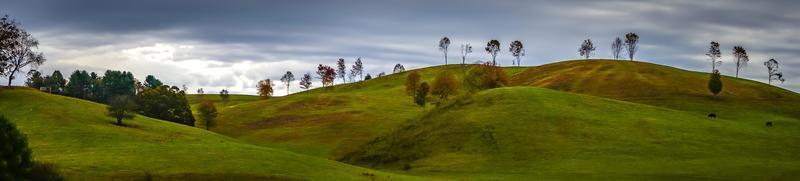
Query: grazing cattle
{"points": [[712, 115], [769, 123]]}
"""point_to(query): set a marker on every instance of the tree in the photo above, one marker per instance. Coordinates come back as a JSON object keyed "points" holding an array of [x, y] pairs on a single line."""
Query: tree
{"points": [[265, 88], [341, 70], [117, 83], [772, 71], [445, 85], [15, 155], [151, 82], [493, 47], [631, 39], [397, 69], [516, 50], [165, 103], [367, 77], [740, 55], [421, 94], [326, 75], [35, 80], [121, 107], [358, 69], [382, 74], [55, 82], [224, 95], [586, 49], [466, 49], [616, 48], [305, 82], [79, 85], [714, 53], [21, 56], [715, 83], [200, 91], [10, 32], [486, 76], [412, 83], [97, 89], [443, 44], [208, 112], [287, 79]]}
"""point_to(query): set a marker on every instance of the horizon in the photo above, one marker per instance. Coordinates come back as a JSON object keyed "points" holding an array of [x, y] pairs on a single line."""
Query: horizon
{"points": [[211, 45]]}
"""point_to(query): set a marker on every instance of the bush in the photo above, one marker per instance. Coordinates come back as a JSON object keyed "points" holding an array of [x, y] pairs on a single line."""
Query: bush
{"points": [[15, 156], [486, 76], [45, 172], [165, 103], [445, 85], [715, 83], [412, 82]]}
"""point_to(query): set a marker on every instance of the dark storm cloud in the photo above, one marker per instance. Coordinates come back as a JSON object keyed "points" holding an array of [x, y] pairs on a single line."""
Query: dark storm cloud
{"points": [[675, 33]]}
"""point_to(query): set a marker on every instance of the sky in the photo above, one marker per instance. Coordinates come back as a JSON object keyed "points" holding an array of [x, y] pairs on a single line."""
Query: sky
{"points": [[232, 44]]}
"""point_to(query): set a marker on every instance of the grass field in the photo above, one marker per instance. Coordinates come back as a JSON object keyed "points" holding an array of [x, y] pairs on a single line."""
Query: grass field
{"points": [[83, 143]]}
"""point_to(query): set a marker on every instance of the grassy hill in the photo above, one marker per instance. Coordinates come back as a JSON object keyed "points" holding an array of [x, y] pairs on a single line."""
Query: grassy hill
{"points": [[525, 132], [83, 143]]}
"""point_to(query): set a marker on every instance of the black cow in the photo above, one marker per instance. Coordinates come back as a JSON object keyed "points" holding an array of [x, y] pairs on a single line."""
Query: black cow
{"points": [[769, 123], [712, 115]]}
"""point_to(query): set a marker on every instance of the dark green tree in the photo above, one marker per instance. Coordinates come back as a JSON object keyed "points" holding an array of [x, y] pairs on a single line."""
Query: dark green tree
{"points": [[151, 82], [35, 79], [97, 90], [15, 156], [121, 107], [421, 94], [80, 85], [118, 83], [367, 77], [165, 103], [56, 82], [715, 83]]}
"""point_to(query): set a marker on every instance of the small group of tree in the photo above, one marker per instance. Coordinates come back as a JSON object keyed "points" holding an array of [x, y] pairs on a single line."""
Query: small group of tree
{"points": [[397, 69], [416, 89], [166, 103], [225, 95], [629, 45], [53, 83], [17, 159], [486, 76], [740, 59], [492, 48], [18, 49]]}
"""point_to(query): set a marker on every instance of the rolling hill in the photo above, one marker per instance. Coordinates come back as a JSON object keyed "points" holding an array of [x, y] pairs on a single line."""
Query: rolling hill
{"points": [[83, 143]]}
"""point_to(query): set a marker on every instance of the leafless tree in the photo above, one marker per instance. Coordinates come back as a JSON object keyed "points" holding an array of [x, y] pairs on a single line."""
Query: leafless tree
{"points": [[517, 50], [341, 70], [443, 44], [466, 49], [358, 69], [772, 71], [616, 48]]}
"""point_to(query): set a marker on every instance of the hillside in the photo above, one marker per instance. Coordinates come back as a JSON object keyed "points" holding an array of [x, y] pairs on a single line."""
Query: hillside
{"points": [[83, 143], [525, 132]]}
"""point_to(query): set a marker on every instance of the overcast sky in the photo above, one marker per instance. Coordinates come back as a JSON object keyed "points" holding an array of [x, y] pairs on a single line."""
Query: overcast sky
{"points": [[233, 44]]}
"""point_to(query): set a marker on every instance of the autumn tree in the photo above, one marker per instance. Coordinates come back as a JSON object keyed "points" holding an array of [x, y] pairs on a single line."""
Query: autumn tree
{"points": [[631, 40], [305, 82], [616, 48], [326, 75], [715, 83], [265, 88], [397, 69], [121, 107], [445, 85], [714, 54], [287, 79], [740, 57], [412, 83], [466, 49], [772, 71], [517, 50], [358, 69], [486, 76], [341, 70], [23, 54], [586, 49], [493, 47], [443, 44], [421, 94], [208, 112]]}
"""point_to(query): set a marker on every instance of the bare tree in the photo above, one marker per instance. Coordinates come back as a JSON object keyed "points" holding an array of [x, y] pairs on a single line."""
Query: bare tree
{"points": [[443, 44], [517, 51], [740, 57], [397, 69], [616, 48], [493, 47], [465, 50], [358, 69], [341, 70], [305, 82], [22, 55], [586, 49], [772, 71], [714, 54], [631, 39], [287, 79]]}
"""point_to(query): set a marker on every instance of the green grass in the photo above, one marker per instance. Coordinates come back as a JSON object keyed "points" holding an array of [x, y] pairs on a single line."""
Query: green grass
{"points": [[83, 143], [525, 132]]}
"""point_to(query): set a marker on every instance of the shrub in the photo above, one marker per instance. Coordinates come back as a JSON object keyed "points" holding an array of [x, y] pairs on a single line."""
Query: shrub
{"points": [[486, 76], [715, 83], [15, 156], [445, 85], [43, 171], [412, 82]]}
